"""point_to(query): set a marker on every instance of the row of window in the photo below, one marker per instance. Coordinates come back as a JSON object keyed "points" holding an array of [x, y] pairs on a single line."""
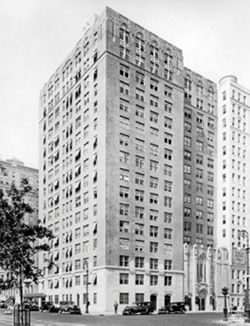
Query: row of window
{"points": [[198, 214], [199, 228], [139, 279]]}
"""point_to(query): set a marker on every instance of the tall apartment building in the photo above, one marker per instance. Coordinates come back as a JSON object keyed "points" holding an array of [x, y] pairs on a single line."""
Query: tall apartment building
{"points": [[13, 171], [111, 134], [233, 180], [200, 159]]}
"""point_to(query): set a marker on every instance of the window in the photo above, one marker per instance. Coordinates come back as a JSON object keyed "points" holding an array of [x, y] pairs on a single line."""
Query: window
{"points": [[124, 88], [167, 264], [168, 186], [124, 278], [124, 244], [168, 217], [168, 280], [153, 232], [187, 155], [168, 233], [139, 245], [139, 77], [187, 226], [139, 280], [168, 138], [153, 280], [139, 127], [187, 141], [124, 226], [124, 71], [139, 229], [124, 192], [168, 170], [154, 117], [199, 146], [139, 262], [187, 169], [124, 122], [139, 212], [139, 162], [139, 111], [139, 179], [124, 106], [139, 195], [124, 208], [124, 140], [153, 199], [168, 122], [187, 212], [154, 166], [154, 150], [124, 298], [168, 154], [124, 175], [199, 228], [153, 215], [139, 145], [167, 201], [124, 158], [153, 263], [154, 84], [139, 94], [124, 261]]}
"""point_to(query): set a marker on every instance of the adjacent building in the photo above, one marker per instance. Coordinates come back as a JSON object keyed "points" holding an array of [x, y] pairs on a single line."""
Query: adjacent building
{"points": [[200, 159], [233, 181]]}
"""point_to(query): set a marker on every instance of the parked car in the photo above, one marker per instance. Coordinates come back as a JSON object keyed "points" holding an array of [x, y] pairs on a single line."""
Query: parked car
{"points": [[142, 308], [46, 305], [75, 310], [54, 308], [65, 306], [173, 307], [32, 306]]}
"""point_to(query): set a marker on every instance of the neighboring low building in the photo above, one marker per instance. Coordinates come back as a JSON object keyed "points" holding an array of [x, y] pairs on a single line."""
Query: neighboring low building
{"points": [[206, 272]]}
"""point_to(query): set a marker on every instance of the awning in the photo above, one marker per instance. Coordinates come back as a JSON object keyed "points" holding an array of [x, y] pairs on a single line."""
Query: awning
{"points": [[34, 295]]}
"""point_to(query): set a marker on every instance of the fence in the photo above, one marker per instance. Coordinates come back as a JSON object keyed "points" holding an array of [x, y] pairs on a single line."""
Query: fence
{"points": [[21, 316]]}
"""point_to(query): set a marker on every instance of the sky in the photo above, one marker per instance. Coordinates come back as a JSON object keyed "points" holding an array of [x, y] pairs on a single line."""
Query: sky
{"points": [[37, 35]]}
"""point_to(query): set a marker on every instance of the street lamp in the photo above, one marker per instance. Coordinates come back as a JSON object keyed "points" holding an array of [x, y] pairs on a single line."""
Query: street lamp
{"points": [[224, 291], [86, 265], [245, 234]]}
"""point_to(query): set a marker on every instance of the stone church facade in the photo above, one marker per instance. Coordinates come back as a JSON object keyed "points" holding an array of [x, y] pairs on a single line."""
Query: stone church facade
{"points": [[206, 272]]}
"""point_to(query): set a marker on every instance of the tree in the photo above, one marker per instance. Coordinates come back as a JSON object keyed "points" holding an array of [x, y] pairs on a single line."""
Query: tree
{"points": [[20, 241]]}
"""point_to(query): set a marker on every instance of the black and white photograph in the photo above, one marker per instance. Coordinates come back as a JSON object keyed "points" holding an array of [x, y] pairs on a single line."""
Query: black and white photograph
{"points": [[124, 162]]}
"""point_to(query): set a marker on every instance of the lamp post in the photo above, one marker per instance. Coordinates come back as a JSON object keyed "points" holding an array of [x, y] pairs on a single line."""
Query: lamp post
{"points": [[87, 288], [245, 234], [224, 291]]}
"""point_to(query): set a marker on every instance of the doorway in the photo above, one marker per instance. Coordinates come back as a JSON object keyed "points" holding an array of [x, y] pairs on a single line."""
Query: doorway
{"points": [[153, 300], [167, 300]]}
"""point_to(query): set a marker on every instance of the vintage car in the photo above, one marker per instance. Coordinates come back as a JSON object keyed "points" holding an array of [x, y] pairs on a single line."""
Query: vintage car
{"points": [[142, 308], [173, 307]]}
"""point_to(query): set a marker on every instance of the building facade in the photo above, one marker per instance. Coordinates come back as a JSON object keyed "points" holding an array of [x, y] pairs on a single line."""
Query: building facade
{"points": [[111, 128], [200, 159], [233, 181]]}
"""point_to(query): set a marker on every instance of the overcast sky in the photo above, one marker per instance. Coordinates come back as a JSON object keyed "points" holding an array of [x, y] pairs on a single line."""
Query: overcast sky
{"points": [[36, 36]]}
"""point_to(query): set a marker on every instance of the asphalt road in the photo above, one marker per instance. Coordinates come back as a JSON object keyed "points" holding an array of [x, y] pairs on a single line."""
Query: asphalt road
{"points": [[188, 319]]}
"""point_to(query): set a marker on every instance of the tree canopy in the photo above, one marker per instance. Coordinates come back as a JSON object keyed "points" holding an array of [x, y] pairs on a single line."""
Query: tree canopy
{"points": [[20, 241]]}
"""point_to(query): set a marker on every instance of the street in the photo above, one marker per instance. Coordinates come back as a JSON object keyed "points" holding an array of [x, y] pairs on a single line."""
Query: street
{"points": [[49, 319]]}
